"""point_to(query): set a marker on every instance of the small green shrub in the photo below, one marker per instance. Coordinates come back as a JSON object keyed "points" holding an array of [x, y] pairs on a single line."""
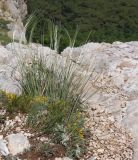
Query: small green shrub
{"points": [[52, 119], [14, 103], [7, 100]]}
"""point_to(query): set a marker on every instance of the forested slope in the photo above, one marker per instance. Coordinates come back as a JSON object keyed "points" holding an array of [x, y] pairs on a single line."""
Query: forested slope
{"points": [[109, 20]]}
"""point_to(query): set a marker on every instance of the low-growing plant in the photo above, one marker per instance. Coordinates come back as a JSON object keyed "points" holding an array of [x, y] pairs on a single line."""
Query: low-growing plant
{"points": [[52, 120], [7, 100], [23, 103], [46, 148]]}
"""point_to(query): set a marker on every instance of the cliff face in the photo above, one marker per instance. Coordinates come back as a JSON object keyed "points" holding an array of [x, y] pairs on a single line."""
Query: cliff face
{"points": [[13, 9], [12, 13], [16, 8]]}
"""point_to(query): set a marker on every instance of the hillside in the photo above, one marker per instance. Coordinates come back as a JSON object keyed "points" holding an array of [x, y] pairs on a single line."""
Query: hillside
{"points": [[108, 20]]}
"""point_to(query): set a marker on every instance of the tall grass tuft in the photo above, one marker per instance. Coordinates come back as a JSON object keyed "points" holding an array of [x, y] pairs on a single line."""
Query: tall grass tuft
{"points": [[55, 90], [54, 77], [63, 84]]}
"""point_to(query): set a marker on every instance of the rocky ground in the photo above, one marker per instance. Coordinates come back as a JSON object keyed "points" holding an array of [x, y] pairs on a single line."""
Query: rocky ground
{"points": [[112, 109], [119, 64], [108, 140]]}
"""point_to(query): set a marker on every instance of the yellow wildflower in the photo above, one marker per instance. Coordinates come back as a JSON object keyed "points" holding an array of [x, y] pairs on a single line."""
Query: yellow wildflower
{"points": [[81, 134], [10, 96], [40, 99], [79, 114]]}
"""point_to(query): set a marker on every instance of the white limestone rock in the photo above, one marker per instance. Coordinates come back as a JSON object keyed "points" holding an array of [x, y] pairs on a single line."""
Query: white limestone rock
{"points": [[17, 143], [3, 148], [5, 56]]}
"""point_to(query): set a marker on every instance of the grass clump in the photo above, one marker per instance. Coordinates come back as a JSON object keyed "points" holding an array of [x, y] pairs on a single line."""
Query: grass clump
{"points": [[61, 116]]}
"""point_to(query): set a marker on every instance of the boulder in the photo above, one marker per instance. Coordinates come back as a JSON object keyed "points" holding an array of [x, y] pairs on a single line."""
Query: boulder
{"points": [[17, 143]]}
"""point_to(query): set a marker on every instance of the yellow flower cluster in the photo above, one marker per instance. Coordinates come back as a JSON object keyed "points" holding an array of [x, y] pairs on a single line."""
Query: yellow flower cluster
{"points": [[80, 131], [10, 96], [81, 134], [79, 114], [40, 99]]}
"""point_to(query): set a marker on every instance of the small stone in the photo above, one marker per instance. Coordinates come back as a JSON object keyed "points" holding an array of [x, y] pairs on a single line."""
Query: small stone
{"points": [[66, 158], [100, 150], [3, 148], [17, 119], [18, 129], [1, 137], [112, 119], [92, 158]]}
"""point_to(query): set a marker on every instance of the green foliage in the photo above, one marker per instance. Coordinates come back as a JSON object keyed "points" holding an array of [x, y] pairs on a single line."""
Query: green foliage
{"points": [[52, 78], [107, 19], [23, 103], [7, 100], [46, 149], [52, 119], [37, 116]]}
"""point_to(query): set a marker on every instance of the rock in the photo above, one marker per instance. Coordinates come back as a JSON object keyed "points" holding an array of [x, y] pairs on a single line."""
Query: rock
{"points": [[17, 31], [3, 148], [18, 9], [10, 157], [8, 63], [5, 56], [17, 143], [64, 158], [100, 150], [92, 158]]}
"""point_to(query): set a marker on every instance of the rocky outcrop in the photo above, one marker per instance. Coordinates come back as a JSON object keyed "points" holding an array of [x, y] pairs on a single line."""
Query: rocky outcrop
{"points": [[9, 57], [118, 63], [117, 68], [16, 8]]}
